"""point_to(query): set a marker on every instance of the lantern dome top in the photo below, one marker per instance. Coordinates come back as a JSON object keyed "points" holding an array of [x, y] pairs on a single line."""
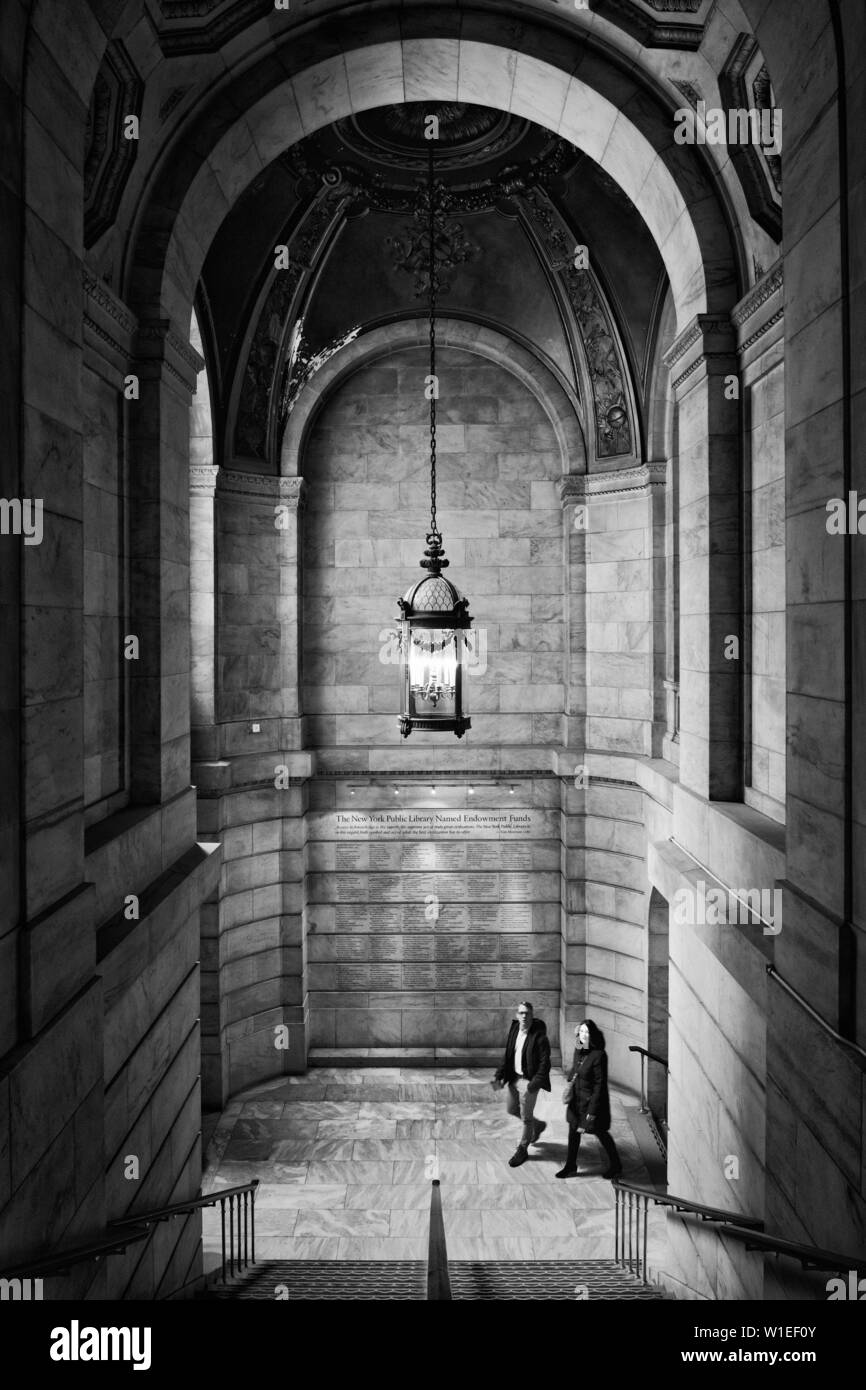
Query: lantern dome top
{"points": [[434, 594]]}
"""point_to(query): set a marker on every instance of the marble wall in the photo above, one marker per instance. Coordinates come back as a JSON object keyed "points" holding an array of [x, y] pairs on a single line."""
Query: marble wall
{"points": [[104, 595], [428, 916], [367, 510], [766, 639]]}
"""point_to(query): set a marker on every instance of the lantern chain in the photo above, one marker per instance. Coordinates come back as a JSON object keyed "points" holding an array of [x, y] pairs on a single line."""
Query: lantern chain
{"points": [[433, 385]]}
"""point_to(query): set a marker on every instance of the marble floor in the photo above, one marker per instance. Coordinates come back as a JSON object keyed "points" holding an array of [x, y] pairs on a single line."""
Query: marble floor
{"points": [[345, 1159]]}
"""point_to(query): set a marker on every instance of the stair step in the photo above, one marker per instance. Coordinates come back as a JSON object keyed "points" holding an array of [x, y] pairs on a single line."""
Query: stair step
{"points": [[533, 1280], [389, 1280]]}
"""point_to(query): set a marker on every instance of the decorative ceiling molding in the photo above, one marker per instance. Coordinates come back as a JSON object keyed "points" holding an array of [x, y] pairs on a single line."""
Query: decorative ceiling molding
{"points": [[652, 33], [203, 26], [744, 84], [117, 93], [605, 364], [254, 427]]}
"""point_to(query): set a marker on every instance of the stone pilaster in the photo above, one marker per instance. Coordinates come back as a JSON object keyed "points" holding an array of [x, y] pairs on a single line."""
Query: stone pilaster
{"points": [[700, 361]]}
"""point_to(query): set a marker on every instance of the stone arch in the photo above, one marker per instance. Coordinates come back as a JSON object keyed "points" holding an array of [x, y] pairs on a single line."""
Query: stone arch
{"points": [[687, 226], [562, 407]]}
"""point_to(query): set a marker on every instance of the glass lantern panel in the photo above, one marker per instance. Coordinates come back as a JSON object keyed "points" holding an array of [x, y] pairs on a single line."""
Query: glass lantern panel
{"points": [[433, 661]]}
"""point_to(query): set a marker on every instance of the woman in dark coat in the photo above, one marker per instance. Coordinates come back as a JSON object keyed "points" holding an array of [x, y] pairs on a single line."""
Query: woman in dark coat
{"points": [[589, 1109]]}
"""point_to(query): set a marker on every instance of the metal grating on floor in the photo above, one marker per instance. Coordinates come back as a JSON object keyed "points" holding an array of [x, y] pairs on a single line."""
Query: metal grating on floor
{"points": [[537, 1280], [390, 1280], [343, 1280]]}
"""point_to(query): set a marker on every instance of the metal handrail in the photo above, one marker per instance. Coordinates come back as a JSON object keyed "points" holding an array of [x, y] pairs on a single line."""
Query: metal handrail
{"points": [[828, 1028], [630, 1235], [810, 1256], [653, 1057], [246, 1235], [46, 1265], [438, 1281]]}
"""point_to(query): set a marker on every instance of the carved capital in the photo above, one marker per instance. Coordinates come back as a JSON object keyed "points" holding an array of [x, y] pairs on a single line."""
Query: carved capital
{"points": [[157, 341], [262, 487], [203, 479], [708, 338], [618, 482]]}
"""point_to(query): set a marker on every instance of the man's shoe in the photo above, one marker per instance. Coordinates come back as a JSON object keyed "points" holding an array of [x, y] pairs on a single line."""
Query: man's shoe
{"points": [[612, 1173], [566, 1173], [540, 1127], [520, 1157]]}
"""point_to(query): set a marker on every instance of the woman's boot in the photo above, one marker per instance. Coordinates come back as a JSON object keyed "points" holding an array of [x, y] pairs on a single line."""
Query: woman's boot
{"points": [[614, 1162], [570, 1169]]}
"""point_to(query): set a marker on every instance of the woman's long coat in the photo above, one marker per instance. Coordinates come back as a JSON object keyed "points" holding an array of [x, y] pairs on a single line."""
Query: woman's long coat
{"points": [[589, 1074]]}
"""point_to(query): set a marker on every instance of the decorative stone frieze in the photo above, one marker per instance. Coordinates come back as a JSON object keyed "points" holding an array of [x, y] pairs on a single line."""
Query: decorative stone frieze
{"points": [[260, 486], [158, 341], [706, 339]]}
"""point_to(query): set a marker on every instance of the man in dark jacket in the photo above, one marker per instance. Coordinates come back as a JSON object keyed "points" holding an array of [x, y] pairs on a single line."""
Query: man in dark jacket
{"points": [[525, 1071]]}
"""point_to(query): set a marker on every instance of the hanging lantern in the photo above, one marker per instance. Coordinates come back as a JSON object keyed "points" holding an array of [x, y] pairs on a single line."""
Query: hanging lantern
{"points": [[434, 617]]}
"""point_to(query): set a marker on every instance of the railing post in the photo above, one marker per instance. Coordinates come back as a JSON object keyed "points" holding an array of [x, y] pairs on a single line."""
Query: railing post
{"points": [[223, 1226], [630, 1256], [645, 1224], [253, 1222], [616, 1193], [232, 1236]]}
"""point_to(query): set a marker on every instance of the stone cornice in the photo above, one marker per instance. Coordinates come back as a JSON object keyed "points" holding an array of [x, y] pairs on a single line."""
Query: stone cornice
{"points": [[203, 479], [578, 487], [701, 328], [261, 486], [709, 337], [109, 326], [158, 344], [98, 293], [759, 294]]}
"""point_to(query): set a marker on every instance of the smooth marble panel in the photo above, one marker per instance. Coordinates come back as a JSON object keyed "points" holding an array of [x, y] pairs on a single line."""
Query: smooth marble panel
{"points": [[410, 1223], [462, 1222], [400, 1197], [260, 1131], [375, 75], [534, 1222], [382, 1130], [233, 1174], [296, 1195], [450, 1170], [434, 1129], [276, 1221], [352, 1174], [325, 1221], [375, 1149], [262, 1110], [347, 1111], [310, 1150], [484, 1197], [430, 69], [531, 1171], [401, 1111], [305, 1248]]}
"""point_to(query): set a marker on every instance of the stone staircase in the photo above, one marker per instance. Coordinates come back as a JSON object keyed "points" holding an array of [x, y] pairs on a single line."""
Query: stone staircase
{"points": [[387, 1280]]}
